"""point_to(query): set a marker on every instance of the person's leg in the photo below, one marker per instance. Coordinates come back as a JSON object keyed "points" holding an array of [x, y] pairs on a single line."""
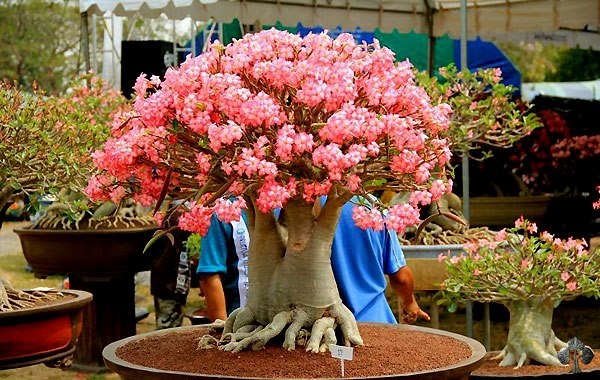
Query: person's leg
{"points": [[169, 313]]}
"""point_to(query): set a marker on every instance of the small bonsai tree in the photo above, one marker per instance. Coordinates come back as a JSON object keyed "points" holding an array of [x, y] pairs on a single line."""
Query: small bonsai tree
{"points": [[46, 144], [530, 274], [277, 121], [485, 114], [486, 117]]}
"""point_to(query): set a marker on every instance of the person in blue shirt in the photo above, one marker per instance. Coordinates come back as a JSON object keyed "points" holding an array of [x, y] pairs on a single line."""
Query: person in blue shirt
{"points": [[360, 259], [222, 267]]}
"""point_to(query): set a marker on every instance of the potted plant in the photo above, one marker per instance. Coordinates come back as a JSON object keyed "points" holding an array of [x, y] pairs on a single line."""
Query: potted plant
{"points": [[39, 325], [278, 120], [45, 149], [530, 274], [487, 119]]}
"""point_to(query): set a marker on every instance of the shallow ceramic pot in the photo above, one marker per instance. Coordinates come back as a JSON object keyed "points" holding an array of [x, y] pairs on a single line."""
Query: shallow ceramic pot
{"points": [[42, 334], [129, 371], [102, 251]]}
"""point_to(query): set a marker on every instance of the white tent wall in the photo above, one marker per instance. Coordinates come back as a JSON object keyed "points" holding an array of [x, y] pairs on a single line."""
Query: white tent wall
{"points": [[111, 50], [485, 17]]}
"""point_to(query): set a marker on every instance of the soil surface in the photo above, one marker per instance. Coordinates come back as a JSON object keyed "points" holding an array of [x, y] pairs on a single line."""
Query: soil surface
{"points": [[26, 299], [491, 368], [384, 353]]}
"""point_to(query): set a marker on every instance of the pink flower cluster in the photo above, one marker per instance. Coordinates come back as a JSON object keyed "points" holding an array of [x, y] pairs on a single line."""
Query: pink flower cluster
{"points": [[277, 116]]}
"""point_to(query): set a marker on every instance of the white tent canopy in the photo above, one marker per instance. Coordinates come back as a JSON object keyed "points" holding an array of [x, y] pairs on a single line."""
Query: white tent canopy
{"points": [[434, 17]]}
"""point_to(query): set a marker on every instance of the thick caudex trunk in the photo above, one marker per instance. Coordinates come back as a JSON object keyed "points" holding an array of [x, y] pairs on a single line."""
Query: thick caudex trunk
{"points": [[292, 289], [530, 335]]}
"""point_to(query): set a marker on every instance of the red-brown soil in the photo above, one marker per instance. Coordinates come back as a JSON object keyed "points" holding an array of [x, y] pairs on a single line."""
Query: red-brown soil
{"points": [[386, 351], [491, 368]]}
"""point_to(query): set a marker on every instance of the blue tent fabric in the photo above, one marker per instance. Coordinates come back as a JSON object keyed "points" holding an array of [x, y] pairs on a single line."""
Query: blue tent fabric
{"points": [[359, 35], [483, 55]]}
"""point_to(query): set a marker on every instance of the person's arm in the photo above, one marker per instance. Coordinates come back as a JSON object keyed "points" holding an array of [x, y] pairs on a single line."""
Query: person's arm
{"points": [[214, 296], [403, 284]]}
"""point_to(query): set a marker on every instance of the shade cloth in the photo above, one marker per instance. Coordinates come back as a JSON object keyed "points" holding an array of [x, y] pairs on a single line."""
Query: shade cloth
{"points": [[484, 16]]}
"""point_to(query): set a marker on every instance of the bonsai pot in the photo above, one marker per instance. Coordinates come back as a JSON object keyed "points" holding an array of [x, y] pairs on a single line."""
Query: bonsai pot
{"points": [[102, 262], [95, 252], [490, 370], [172, 354], [503, 211], [197, 317], [43, 334]]}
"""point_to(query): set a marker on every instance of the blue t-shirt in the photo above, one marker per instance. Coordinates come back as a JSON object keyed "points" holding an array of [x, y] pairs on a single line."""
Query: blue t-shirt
{"points": [[218, 256], [360, 259]]}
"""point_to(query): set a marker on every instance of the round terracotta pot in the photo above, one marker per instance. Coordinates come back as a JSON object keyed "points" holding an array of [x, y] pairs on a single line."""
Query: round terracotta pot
{"points": [[42, 334], [129, 371]]}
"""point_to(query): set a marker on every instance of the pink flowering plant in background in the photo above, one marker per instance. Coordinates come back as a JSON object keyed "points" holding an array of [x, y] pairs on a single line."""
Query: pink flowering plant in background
{"points": [[275, 121], [529, 273]]}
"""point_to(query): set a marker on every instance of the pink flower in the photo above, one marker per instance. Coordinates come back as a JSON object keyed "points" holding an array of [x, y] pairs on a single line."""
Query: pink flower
{"points": [[524, 263], [519, 222], [500, 235], [572, 286], [476, 272], [532, 228], [565, 276]]}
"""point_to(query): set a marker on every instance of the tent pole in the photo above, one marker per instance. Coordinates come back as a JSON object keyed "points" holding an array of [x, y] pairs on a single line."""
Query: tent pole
{"points": [[465, 157], [85, 40], [464, 65], [430, 40]]}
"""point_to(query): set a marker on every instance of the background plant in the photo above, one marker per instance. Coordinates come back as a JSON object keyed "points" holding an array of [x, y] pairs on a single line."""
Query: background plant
{"points": [[529, 274], [485, 113], [46, 141]]}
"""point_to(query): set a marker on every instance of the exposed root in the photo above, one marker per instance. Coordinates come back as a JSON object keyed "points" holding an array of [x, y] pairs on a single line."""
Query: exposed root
{"points": [[318, 335], [260, 338], [519, 353], [241, 331], [347, 323], [14, 299]]}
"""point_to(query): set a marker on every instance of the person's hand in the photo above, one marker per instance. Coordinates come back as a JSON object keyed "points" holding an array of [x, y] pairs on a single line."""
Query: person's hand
{"points": [[410, 312]]}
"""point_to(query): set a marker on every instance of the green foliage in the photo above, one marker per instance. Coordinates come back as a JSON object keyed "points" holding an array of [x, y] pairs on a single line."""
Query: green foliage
{"points": [[192, 245], [485, 116], [46, 141], [39, 42], [519, 264], [535, 61], [577, 65]]}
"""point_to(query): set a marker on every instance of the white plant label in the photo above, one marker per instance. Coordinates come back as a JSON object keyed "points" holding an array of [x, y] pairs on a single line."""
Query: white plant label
{"points": [[341, 352]]}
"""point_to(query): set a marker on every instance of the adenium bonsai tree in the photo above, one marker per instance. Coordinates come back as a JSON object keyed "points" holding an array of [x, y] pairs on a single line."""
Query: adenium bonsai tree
{"points": [[485, 116], [277, 120], [46, 143], [530, 274]]}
